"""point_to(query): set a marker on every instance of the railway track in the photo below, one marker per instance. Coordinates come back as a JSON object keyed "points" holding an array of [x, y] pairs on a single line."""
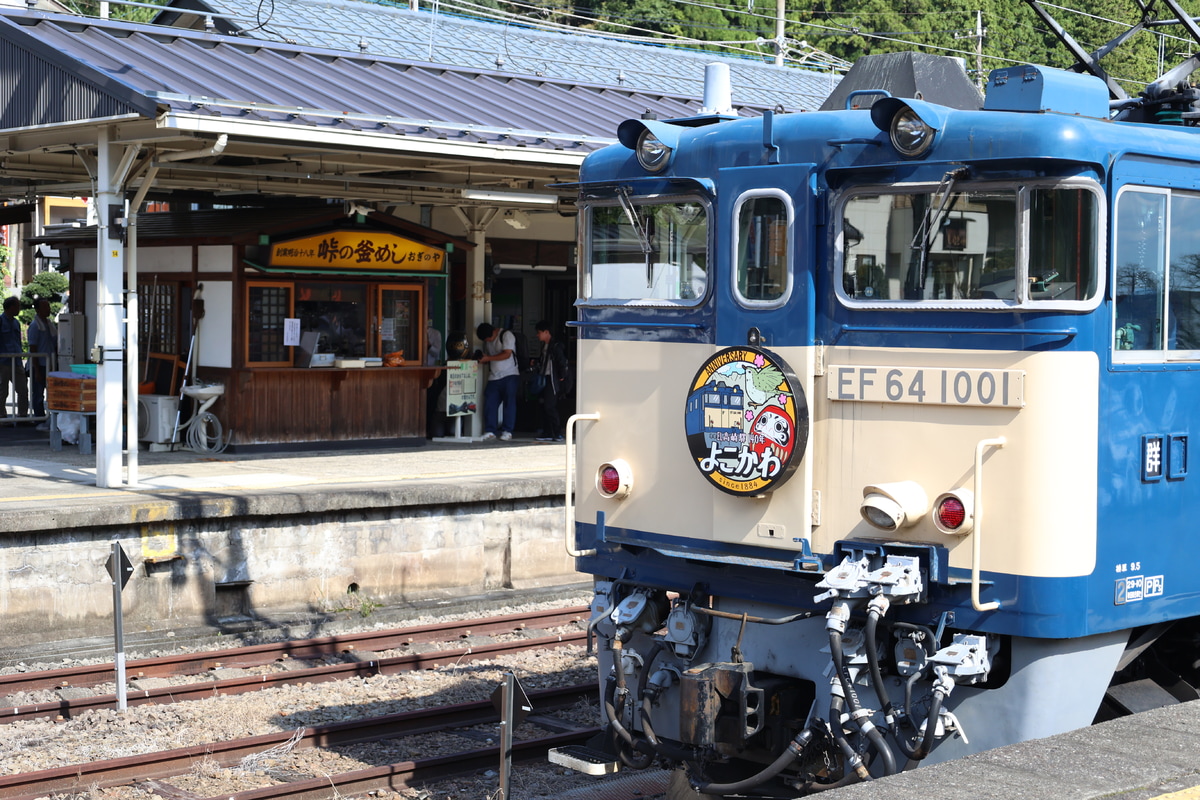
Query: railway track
{"points": [[156, 768], [357, 647]]}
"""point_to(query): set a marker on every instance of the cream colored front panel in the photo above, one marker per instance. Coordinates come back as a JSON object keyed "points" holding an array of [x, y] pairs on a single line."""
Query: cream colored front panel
{"points": [[1039, 489], [640, 390]]}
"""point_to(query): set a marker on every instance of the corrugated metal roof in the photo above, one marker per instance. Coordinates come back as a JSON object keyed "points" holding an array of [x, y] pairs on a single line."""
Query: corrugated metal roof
{"points": [[195, 73], [59, 95], [231, 116], [582, 57]]}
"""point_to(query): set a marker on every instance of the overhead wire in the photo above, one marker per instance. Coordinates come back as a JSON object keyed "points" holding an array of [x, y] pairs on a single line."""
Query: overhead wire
{"points": [[754, 48], [652, 36], [818, 28]]}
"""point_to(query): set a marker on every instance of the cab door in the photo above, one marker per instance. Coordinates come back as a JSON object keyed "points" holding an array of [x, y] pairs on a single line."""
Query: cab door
{"points": [[749, 417], [766, 227]]}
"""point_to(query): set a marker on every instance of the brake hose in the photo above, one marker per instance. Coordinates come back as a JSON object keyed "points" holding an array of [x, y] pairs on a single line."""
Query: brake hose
{"points": [[790, 753], [860, 717]]}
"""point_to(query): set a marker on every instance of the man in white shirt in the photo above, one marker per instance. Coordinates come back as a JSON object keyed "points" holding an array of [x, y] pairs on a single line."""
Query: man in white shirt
{"points": [[504, 378]]}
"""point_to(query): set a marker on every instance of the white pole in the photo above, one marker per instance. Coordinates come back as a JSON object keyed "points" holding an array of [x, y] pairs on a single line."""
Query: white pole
{"points": [[780, 27], [132, 325], [109, 281]]}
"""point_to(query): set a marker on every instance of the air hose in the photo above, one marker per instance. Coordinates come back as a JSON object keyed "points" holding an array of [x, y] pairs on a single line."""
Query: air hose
{"points": [[647, 696], [913, 754], [635, 757], [792, 752], [861, 718], [922, 750]]}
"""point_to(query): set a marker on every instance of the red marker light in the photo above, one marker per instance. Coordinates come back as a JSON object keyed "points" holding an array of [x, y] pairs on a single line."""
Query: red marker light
{"points": [[614, 479], [610, 480], [951, 513]]}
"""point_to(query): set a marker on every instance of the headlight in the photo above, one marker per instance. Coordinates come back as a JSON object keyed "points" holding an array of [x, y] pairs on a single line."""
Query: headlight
{"points": [[892, 506], [652, 153], [910, 134]]}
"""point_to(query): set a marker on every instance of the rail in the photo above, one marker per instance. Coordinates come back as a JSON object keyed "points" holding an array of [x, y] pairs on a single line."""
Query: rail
{"points": [[260, 655], [170, 763]]}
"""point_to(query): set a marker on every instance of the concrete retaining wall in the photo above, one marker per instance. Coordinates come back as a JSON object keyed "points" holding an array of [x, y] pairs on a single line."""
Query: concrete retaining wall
{"points": [[218, 560]]}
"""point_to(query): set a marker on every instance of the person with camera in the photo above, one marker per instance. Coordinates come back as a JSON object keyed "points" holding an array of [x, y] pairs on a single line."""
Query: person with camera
{"points": [[551, 380]]}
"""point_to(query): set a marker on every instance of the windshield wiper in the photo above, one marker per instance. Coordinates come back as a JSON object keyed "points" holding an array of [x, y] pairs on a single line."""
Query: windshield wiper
{"points": [[931, 221], [639, 228]]}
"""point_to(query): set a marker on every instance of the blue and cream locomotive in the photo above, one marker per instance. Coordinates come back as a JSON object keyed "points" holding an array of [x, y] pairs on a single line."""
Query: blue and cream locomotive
{"points": [[882, 452]]}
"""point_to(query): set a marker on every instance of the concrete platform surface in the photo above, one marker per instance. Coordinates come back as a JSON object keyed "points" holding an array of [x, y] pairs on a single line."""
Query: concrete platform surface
{"points": [[41, 489], [1155, 754]]}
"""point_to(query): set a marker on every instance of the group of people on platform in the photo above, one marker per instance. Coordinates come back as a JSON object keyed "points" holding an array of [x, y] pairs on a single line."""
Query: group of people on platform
{"points": [[26, 380], [549, 381], [24, 373]]}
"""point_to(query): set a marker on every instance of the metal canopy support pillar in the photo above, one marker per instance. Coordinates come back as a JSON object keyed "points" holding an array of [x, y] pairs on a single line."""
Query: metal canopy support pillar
{"points": [[111, 168], [479, 301], [131, 334]]}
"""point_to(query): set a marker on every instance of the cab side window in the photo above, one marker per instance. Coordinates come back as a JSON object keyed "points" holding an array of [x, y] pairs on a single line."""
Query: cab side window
{"points": [[1157, 276], [762, 259], [1183, 281], [1140, 270], [1063, 235]]}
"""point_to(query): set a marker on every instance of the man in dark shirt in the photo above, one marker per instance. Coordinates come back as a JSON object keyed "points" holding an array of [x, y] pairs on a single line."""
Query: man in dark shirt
{"points": [[12, 370], [553, 368]]}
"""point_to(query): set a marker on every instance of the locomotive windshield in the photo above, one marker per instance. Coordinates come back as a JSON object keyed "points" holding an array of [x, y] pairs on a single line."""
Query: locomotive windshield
{"points": [[655, 253], [971, 246]]}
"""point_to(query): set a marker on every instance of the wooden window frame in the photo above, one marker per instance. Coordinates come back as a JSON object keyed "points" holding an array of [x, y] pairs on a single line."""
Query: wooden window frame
{"points": [[421, 323], [291, 310]]}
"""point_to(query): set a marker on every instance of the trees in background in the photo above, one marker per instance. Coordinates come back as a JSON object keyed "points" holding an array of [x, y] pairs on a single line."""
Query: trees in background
{"points": [[848, 29]]}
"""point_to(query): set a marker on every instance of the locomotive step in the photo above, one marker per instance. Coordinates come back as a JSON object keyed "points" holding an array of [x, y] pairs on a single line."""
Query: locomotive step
{"points": [[587, 760]]}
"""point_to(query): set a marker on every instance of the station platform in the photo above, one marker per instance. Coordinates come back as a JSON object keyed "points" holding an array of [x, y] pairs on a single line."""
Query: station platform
{"points": [[43, 489]]}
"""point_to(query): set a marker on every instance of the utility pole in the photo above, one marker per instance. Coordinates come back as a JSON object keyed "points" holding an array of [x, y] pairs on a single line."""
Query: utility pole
{"points": [[779, 21], [978, 35], [979, 50]]}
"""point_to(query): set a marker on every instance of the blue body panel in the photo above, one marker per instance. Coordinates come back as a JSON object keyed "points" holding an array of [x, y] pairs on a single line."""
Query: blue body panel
{"points": [[1146, 542]]}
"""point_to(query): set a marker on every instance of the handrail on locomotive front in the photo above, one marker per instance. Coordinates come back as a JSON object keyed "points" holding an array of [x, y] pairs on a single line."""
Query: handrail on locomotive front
{"points": [[977, 533], [569, 504]]}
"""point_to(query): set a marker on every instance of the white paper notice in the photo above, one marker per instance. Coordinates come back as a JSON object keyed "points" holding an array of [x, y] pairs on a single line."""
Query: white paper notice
{"points": [[291, 332]]}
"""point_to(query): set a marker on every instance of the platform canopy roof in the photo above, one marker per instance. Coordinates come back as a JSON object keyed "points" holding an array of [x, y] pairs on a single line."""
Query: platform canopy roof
{"points": [[228, 116], [520, 46]]}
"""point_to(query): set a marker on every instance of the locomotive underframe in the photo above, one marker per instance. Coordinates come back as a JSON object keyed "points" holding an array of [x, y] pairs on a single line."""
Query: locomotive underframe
{"points": [[731, 716]]}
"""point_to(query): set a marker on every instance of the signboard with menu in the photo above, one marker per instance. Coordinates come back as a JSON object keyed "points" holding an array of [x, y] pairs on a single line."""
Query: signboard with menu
{"points": [[462, 385]]}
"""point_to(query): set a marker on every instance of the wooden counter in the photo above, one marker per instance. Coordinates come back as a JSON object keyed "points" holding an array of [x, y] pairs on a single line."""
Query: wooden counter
{"points": [[325, 404]]}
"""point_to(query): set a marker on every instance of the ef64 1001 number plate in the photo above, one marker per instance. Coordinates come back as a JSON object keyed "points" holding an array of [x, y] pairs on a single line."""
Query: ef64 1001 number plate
{"points": [[941, 386]]}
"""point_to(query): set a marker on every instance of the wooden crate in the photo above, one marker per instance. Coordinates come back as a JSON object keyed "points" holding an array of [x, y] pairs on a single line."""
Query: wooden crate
{"points": [[70, 394]]}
